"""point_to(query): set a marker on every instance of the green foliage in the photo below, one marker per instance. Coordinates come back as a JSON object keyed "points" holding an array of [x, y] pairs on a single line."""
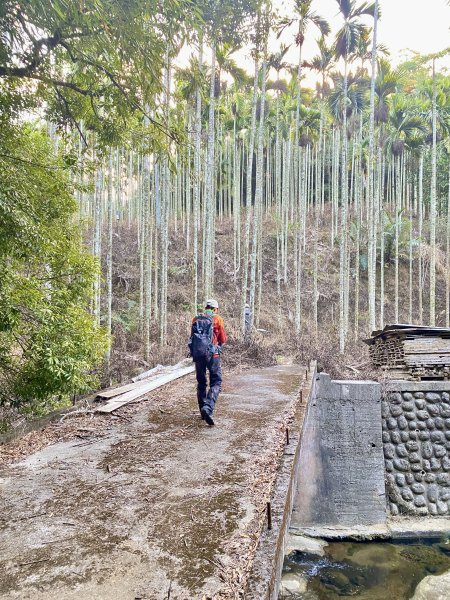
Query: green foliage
{"points": [[228, 21], [98, 63], [404, 235], [387, 82], [357, 87], [128, 319], [348, 37], [48, 340], [363, 262], [405, 126]]}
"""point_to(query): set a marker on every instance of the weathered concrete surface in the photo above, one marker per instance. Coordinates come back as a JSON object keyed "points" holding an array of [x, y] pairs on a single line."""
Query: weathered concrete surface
{"points": [[264, 582], [160, 502], [341, 480], [411, 527], [403, 385], [434, 587]]}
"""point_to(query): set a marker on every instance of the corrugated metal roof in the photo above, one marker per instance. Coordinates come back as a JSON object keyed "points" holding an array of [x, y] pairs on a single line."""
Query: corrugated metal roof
{"points": [[408, 330]]}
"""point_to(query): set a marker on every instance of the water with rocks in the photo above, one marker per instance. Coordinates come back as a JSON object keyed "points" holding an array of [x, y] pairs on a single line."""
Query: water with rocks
{"points": [[366, 570]]}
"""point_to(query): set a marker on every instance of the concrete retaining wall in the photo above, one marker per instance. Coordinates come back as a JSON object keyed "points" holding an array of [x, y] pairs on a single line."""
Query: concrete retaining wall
{"points": [[341, 481], [360, 457]]}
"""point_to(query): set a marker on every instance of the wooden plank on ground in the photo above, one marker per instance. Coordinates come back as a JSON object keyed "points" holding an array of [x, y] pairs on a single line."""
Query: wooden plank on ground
{"points": [[113, 392], [143, 389], [138, 381], [155, 371]]}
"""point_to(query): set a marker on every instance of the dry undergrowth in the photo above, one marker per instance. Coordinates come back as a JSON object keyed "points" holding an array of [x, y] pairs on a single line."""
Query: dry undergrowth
{"points": [[276, 339]]}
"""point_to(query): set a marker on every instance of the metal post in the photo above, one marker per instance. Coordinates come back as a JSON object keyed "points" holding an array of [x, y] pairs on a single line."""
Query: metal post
{"points": [[269, 516]]}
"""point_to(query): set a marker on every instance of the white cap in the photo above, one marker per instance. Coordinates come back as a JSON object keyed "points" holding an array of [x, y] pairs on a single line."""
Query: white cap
{"points": [[211, 303]]}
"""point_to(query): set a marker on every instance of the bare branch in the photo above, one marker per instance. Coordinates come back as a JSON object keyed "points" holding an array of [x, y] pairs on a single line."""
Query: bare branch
{"points": [[66, 104], [31, 163]]}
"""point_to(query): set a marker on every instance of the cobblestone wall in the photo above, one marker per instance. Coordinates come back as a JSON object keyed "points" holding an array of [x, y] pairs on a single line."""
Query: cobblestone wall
{"points": [[416, 443]]}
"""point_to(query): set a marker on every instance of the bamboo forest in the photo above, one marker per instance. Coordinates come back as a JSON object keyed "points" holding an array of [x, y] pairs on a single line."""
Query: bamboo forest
{"points": [[145, 166]]}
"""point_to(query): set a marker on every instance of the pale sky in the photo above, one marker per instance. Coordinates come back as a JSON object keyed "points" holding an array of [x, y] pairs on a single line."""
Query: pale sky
{"points": [[419, 25], [423, 26]]}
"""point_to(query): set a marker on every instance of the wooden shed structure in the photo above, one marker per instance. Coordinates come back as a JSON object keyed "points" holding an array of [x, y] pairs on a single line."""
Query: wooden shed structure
{"points": [[412, 352]]}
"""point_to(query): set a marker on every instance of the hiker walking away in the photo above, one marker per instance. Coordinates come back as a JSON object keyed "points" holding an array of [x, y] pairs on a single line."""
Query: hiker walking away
{"points": [[205, 346]]}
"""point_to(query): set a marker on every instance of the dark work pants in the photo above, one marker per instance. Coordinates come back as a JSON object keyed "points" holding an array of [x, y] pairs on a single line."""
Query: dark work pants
{"points": [[208, 400]]}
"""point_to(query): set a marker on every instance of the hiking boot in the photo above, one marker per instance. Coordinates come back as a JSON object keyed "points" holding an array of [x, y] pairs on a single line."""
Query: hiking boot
{"points": [[207, 416]]}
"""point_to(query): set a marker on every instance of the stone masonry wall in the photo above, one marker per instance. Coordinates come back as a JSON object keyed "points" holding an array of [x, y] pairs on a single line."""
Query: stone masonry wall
{"points": [[416, 443]]}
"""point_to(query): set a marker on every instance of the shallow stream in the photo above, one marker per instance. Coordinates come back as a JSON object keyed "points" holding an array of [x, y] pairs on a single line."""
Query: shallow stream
{"points": [[364, 570]]}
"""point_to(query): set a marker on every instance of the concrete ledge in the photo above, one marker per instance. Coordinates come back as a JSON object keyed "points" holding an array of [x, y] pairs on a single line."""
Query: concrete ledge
{"points": [[428, 385], [404, 527], [338, 532], [264, 581], [400, 528], [38, 423]]}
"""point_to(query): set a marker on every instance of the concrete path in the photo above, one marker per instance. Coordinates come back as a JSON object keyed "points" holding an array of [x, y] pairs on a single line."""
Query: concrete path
{"points": [[154, 506]]}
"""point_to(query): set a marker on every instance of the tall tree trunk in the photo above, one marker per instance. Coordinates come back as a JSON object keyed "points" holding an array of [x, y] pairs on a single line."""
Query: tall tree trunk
{"points": [[258, 193], [372, 263], [420, 234], [248, 190], [165, 209], [209, 177], [343, 224], [157, 192], [97, 241], [145, 246], [197, 163], [109, 256], [447, 260], [398, 201], [298, 195], [433, 210]]}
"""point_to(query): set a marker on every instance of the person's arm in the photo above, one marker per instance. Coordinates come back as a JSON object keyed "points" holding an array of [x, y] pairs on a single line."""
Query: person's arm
{"points": [[221, 333]]}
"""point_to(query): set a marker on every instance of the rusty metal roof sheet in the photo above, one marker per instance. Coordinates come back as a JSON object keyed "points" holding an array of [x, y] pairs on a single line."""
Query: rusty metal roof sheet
{"points": [[408, 330]]}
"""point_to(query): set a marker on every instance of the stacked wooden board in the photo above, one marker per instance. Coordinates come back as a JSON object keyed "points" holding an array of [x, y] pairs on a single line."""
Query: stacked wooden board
{"points": [[117, 397], [387, 352], [411, 351]]}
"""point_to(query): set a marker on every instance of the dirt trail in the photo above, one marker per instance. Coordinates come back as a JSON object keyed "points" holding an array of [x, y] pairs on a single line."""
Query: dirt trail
{"points": [[154, 505]]}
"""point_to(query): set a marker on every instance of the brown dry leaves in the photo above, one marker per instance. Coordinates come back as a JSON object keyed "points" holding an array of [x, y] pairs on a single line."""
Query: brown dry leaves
{"points": [[80, 423], [81, 426], [242, 547]]}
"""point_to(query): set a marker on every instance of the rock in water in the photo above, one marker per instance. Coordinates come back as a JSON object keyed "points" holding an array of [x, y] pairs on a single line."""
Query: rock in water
{"points": [[303, 543], [293, 584], [433, 587]]}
